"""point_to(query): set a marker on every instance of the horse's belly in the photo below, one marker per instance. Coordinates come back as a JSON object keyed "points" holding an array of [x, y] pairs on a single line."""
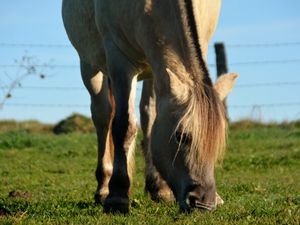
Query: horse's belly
{"points": [[87, 22]]}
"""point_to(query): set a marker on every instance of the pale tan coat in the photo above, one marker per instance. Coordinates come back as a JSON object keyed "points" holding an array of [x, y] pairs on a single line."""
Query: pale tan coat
{"points": [[124, 39]]}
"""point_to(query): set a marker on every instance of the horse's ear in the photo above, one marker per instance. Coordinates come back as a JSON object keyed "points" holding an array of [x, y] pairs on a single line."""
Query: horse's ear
{"points": [[225, 84], [177, 88]]}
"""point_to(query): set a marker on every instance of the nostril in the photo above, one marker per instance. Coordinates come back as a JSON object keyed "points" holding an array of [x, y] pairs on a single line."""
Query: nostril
{"points": [[200, 202], [203, 198], [192, 199]]}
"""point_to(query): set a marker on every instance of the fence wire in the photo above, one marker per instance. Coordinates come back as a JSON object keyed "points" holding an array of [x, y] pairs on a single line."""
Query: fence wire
{"points": [[42, 105], [233, 45], [65, 66]]}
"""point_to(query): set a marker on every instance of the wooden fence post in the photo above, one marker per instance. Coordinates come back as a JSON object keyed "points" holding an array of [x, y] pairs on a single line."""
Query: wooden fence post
{"points": [[221, 63], [221, 59]]}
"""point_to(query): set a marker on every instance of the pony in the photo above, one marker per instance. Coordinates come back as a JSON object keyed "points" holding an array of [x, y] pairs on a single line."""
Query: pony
{"points": [[122, 41]]}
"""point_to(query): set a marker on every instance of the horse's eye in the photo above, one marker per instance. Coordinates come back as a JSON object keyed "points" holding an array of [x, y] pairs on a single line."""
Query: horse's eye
{"points": [[183, 138]]}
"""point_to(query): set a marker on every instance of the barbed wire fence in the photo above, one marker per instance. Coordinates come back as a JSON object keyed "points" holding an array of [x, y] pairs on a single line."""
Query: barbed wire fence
{"points": [[26, 67], [77, 88], [252, 45]]}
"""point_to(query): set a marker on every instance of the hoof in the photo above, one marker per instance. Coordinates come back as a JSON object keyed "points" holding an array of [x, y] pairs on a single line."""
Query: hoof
{"points": [[116, 205], [219, 200], [184, 208], [158, 189], [98, 199], [165, 195]]}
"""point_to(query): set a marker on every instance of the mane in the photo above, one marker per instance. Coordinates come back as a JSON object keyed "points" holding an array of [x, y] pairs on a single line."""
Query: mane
{"points": [[204, 115], [197, 68], [204, 120]]}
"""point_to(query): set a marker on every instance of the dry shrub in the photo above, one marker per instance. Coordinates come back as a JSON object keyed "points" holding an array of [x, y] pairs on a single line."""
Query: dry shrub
{"points": [[75, 123]]}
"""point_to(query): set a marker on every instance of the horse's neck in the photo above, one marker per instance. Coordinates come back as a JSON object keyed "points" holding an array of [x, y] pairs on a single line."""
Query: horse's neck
{"points": [[185, 36]]}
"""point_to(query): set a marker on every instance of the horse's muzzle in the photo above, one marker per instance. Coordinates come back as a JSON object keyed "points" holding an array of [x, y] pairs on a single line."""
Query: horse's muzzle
{"points": [[194, 201], [198, 203]]}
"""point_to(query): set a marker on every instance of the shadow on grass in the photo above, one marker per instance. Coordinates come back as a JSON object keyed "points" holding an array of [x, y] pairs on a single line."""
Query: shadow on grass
{"points": [[13, 207]]}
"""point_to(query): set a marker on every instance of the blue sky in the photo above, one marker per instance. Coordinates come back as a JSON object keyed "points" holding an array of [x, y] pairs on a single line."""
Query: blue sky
{"points": [[241, 22]]}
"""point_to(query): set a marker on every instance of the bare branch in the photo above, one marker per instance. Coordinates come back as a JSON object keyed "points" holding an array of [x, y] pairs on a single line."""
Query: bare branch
{"points": [[27, 66]]}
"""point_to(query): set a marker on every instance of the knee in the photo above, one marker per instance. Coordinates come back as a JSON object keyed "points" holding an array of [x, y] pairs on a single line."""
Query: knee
{"points": [[124, 130], [101, 113]]}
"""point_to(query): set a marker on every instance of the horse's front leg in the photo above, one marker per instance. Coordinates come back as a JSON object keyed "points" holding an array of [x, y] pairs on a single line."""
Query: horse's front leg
{"points": [[154, 184], [124, 128], [102, 114]]}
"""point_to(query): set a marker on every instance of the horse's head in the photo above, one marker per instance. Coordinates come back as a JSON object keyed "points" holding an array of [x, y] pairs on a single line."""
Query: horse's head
{"points": [[189, 131]]}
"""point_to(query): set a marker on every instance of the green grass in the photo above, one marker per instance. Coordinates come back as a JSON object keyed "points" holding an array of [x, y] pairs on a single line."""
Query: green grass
{"points": [[48, 179]]}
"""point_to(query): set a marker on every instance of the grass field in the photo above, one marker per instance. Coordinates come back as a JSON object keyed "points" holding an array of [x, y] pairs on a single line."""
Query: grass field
{"points": [[49, 179]]}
